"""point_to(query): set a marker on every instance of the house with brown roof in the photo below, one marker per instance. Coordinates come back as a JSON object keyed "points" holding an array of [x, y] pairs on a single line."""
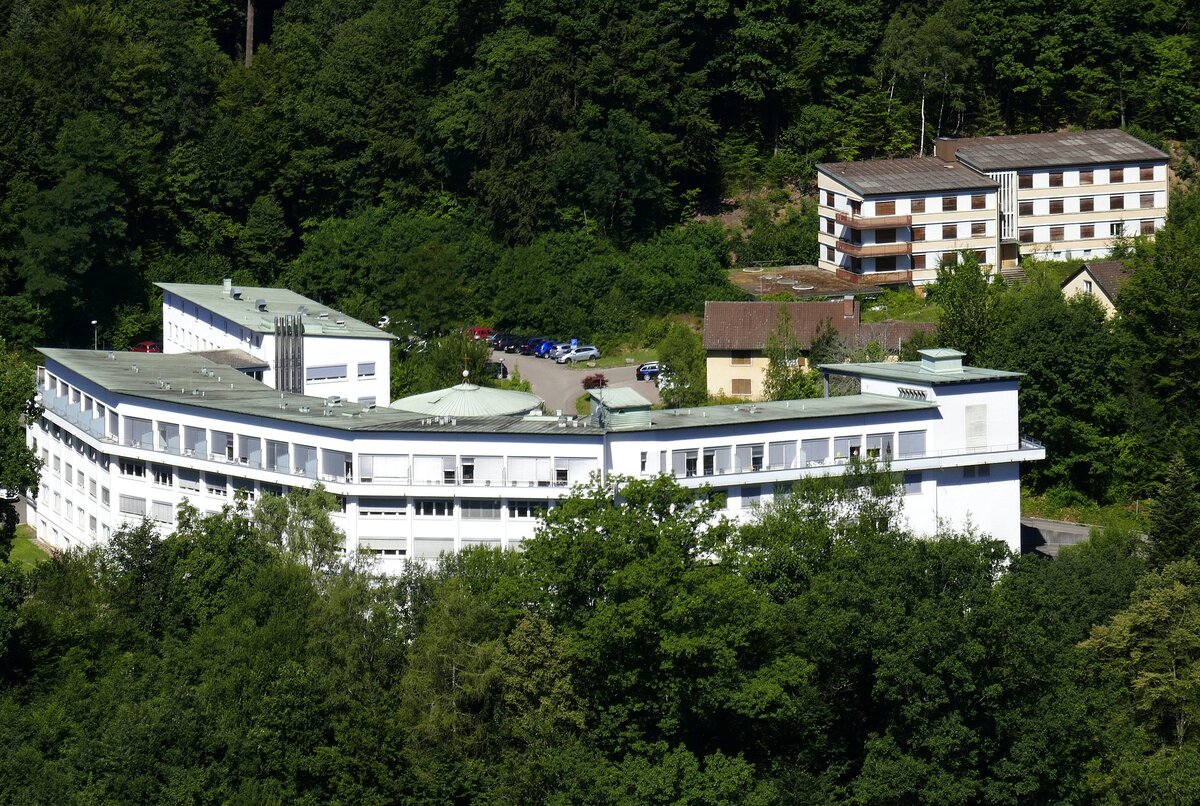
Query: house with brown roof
{"points": [[736, 336], [1058, 195], [1099, 279]]}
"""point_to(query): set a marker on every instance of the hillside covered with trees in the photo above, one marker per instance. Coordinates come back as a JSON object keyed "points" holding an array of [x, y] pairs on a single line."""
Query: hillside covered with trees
{"points": [[534, 164]]}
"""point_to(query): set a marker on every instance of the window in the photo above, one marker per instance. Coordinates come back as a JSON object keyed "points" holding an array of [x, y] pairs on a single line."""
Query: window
{"points": [[1025, 181], [130, 505], [1025, 208], [1116, 229], [885, 208], [366, 369], [855, 206], [332, 372], [740, 358], [751, 495], [949, 258], [1146, 173], [1146, 200], [1086, 177], [57, 465], [1087, 230], [433, 507], [162, 511], [918, 261], [683, 462], [1147, 227], [978, 228], [480, 510], [829, 253], [978, 202], [1116, 176], [912, 483], [885, 263], [949, 204], [104, 497], [1116, 202], [1056, 233], [69, 474], [815, 451], [131, 468], [846, 448], [1087, 204], [189, 480], [718, 461], [216, 483], [829, 199], [879, 446], [981, 256], [1087, 286], [527, 509], [748, 457], [918, 205], [912, 443], [1056, 179], [92, 489], [949, 232], [163, 475], [977, 471], [828, 225], [1056, 206], [781, 455], [918, 233], [885, 235]]}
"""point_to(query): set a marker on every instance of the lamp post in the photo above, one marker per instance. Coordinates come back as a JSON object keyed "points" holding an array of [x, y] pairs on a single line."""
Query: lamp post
{"points": [[95, 336]]}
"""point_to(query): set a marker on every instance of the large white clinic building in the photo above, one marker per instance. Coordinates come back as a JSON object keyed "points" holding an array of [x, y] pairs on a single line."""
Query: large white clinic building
{"points": [[130, 435], [281, 338]]}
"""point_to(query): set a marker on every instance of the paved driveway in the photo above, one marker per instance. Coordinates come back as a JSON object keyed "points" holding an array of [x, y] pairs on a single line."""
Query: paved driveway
{"points": [[560, 384]]}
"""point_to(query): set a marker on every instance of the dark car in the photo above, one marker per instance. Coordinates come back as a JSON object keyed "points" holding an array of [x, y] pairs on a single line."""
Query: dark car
{"points": [[496, 369], [509, 343], [530, 346], [648, 371]]}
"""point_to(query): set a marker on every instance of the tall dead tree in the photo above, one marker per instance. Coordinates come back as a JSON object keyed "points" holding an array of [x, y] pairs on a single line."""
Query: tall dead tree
{"points": [[249, 32]]}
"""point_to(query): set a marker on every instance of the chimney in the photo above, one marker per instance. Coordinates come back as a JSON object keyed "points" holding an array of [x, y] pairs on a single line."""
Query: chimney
{"points": [[944, 148], [849, 307], [228, 287]]}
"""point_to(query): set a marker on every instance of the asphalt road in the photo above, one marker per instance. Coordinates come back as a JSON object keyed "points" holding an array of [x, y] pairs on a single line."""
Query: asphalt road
{"points": [[561, 384]]}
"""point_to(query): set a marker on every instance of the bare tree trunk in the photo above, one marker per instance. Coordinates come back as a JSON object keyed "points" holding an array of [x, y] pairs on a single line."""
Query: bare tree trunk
{"points": [[922, 152], [249, 32]]}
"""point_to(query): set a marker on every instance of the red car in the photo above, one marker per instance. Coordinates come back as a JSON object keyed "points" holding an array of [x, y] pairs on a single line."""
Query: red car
{"points": [[479, 333], [147, 347]]}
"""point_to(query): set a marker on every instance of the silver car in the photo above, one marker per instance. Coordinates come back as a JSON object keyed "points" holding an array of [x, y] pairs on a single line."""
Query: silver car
{"points": [[583, 353]]}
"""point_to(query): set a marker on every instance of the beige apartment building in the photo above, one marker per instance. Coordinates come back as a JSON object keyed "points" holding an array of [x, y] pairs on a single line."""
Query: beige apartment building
{"points": [[1057, 195]]}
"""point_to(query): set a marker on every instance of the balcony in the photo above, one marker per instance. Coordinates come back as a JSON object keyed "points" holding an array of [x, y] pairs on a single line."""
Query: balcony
{"points": [[872, 222], [874, 249]]}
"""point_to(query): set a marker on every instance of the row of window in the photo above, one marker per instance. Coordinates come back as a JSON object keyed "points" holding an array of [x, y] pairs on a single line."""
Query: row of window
{"points": [[721, 459], [886, 263], [1083, 204], [946, 204], [1116, 176], [1084, 231], [338, 372], [947, 232]]}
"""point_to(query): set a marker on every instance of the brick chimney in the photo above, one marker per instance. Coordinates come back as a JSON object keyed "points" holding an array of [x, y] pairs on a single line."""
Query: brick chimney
{"points": [[849, 307], [944, 148]]}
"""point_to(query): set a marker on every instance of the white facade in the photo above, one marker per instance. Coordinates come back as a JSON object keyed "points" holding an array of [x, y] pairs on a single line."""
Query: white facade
{"points": [[341, 357], [114, 452]]}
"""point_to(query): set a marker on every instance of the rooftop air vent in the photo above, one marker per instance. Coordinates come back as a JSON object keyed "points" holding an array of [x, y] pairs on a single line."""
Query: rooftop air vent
{"points": [[323, 315], [302, 310], [334, 400], [260, 304], [236, 293], [341, 320]]}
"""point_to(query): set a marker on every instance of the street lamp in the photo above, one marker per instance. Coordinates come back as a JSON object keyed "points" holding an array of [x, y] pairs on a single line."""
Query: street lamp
{"points": [[95, 336]]}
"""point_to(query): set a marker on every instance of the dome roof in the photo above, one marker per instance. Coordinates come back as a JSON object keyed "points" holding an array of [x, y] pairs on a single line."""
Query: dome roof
{"points": [[469, 400]]}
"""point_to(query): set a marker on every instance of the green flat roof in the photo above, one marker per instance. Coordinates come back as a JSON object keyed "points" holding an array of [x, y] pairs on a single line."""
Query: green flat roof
{"points": [[280, 302], [190, 380], [918, 372]]}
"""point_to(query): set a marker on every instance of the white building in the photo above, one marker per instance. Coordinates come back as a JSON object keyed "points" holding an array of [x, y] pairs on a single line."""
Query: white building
{"points": [[1056, 195], [285, 340], [127, 435]]}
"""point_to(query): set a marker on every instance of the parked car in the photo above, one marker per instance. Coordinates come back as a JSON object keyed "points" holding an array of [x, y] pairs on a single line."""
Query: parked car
{"points": [[530, 346], [648, 371], [9, 496], [496, 369], [147, 347], [559, 349], [583, 353], [508, 342], [479, 333]]}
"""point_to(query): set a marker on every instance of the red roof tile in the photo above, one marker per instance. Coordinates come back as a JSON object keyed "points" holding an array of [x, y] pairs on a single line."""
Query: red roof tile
{"points": [[749, 325]]}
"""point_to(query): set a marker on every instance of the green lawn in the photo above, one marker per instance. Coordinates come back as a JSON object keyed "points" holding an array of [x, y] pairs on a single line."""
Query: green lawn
{"points": [[24, 550], [618, 359], [903, 306]]}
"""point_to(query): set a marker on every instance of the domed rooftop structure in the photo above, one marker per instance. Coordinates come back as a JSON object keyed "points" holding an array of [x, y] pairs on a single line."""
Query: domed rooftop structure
{"points": [[470, 400]]}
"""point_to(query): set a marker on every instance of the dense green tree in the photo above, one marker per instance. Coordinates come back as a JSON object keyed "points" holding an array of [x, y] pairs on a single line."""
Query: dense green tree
{"points": [[968, 300], [787, 376], [682, 353], [1174, 529], [19, 463]]}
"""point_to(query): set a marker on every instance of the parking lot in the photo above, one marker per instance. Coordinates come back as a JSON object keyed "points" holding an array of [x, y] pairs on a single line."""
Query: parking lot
{"points": [[561, 384]]}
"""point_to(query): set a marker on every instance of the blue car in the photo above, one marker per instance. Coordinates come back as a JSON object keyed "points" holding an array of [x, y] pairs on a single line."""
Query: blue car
{"points": [[543, 349]]}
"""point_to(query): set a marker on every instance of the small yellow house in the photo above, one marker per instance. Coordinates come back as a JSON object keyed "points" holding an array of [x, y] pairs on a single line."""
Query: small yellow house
{"points": [[1099, 279]]}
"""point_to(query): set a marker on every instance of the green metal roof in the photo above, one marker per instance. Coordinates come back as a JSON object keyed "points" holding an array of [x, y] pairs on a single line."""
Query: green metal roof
{"points": [[279, 302], [922, 372], [620, 398], [469, 400]]}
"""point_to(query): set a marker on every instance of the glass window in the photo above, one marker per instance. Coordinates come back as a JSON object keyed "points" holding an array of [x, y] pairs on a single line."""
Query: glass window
{"points": [[751, 495], [949, 204], [918, 205], [1087, 230], [1116, 202], [848, 447], [1146, 173], [1146, 200], [480, 510], [978, 228], [1056, 179], [748, 457], [331, 372], [1056, 206], [912, 443], [366, 369], [527, 509], [1147, 228], [1087, 204], [1086, 177], [1025, 208], [1116, 176], [912, 483], [885, 208], [949, 232], [433, 507], [918, 233], [814, 451], [1056, 233], [1025, 181], [918, 261], [978, 202]]}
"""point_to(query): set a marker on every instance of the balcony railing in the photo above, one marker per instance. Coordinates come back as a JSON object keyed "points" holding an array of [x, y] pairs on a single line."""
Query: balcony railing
{"points": [[875, 249], [873, 222]]}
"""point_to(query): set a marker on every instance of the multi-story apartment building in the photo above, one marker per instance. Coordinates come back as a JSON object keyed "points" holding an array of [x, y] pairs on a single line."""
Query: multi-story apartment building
{"points": [[1059, 195], [283, 339], [892, 221], [126, 436]]}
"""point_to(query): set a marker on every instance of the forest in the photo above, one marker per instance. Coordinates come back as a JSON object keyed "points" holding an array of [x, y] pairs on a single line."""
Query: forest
{"points": [[634, 653], [541, 165]]}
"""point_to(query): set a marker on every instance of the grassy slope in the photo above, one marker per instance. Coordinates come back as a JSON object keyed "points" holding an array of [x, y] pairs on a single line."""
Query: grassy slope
{"points": [[25, 551]]}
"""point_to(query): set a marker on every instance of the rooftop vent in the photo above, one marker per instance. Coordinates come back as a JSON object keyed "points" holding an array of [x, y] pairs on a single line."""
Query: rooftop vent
{"points": [[334, 400], [941, 360], [260, 303], [323, 315], [305, 409], [341, 320], [236, 293], [302, 310]]}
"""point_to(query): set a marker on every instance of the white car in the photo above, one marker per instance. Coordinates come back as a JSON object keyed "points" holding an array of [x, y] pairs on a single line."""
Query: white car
{"points": [[9, 496], [583, 353], [559, 350]]}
